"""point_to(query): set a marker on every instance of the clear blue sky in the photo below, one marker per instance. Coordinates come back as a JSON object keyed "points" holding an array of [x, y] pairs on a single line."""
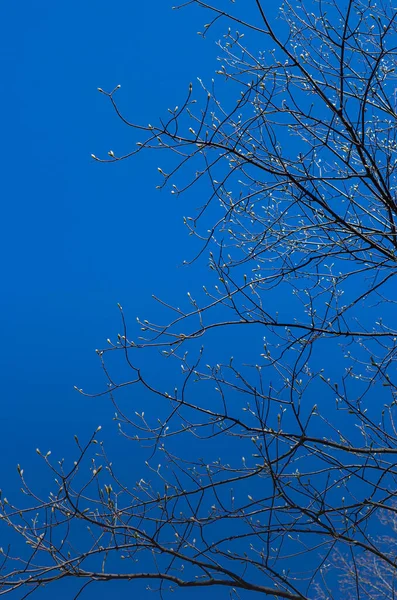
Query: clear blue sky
{"points": [[76, 236]]}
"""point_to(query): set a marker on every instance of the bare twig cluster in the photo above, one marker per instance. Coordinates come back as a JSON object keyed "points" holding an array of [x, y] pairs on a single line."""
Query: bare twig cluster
{"points": [[295, 148]]}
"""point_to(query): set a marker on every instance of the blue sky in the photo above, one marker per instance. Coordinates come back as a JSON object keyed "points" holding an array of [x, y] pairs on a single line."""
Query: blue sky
{"points": [[78, 236]]}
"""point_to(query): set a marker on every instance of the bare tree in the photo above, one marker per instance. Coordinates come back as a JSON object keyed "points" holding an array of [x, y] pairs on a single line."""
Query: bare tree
{"points": [[295, 151]]}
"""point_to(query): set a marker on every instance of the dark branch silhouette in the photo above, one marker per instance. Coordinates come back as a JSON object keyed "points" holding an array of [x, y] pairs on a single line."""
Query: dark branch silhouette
{"points": [[292, 157]]}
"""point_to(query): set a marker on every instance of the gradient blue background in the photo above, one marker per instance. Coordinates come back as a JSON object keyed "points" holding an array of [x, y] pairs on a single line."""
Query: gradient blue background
{"points": [[77, 236]]}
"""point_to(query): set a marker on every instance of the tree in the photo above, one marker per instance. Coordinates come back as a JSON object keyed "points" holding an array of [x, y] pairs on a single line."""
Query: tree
{"points": [[294, 149]]}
